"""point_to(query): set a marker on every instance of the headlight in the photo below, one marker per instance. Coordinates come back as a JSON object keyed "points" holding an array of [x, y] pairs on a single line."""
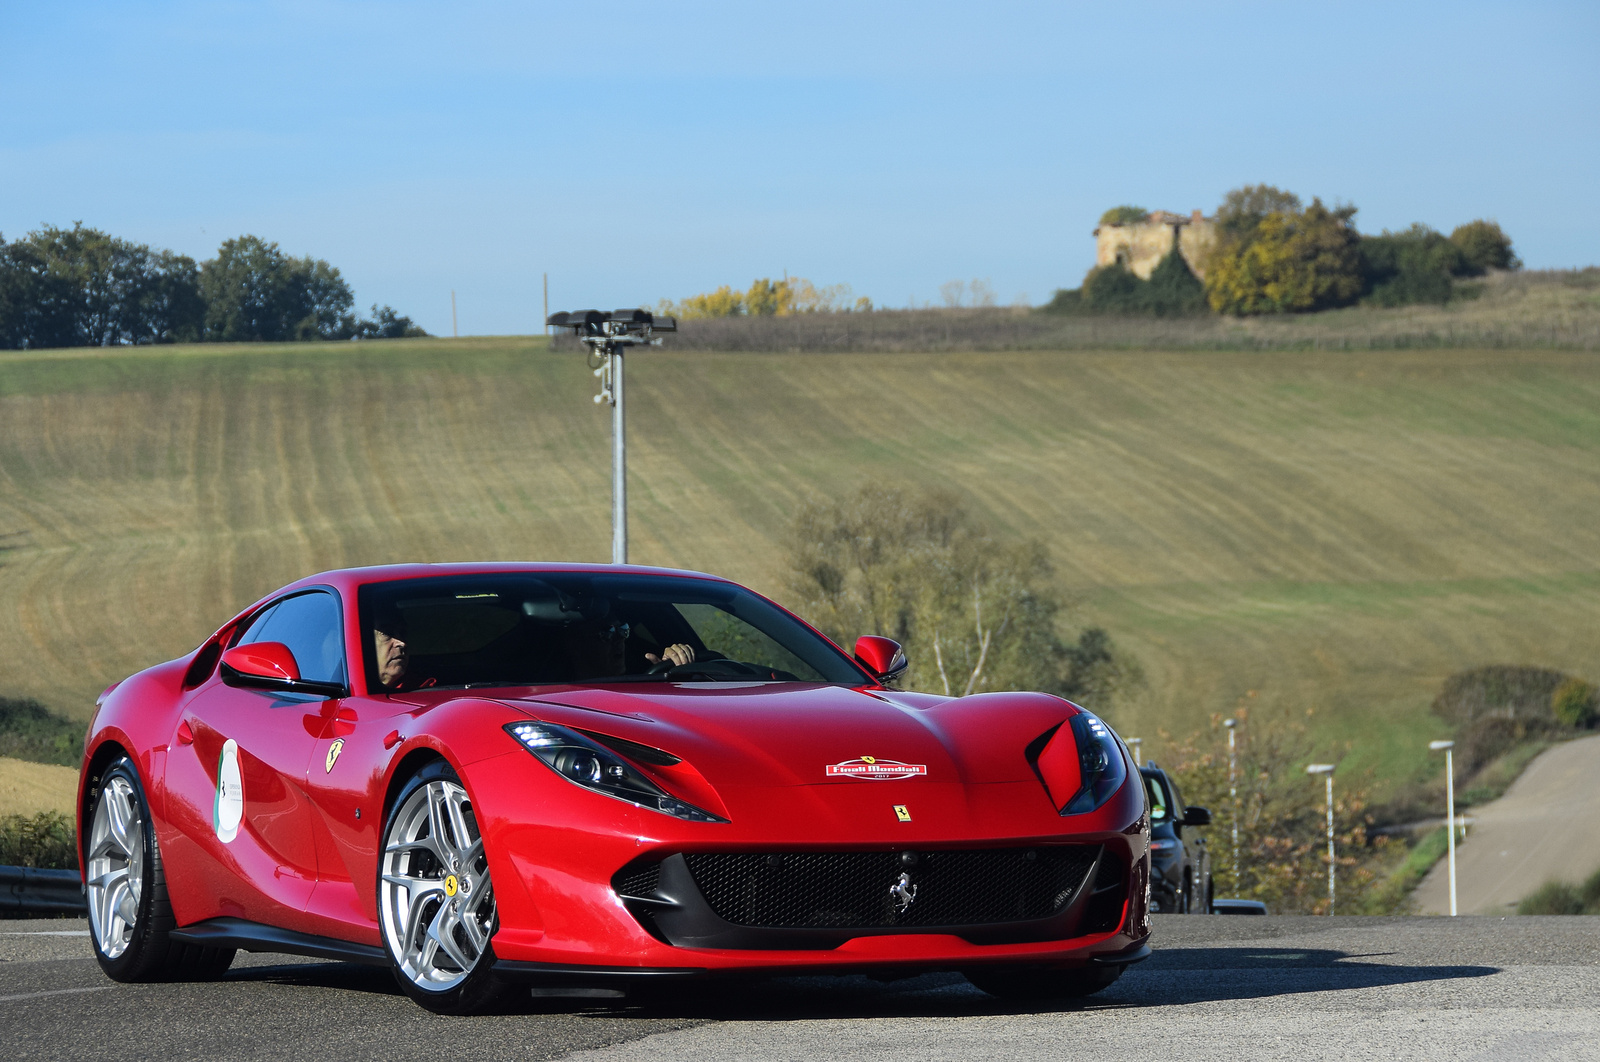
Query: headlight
{"points": [[588, 764], [1080, 763]]}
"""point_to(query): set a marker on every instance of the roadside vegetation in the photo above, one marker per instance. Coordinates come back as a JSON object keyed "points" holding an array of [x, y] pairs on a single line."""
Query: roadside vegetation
{"points": [[47, 840], [1561, 898], [30, 731]]}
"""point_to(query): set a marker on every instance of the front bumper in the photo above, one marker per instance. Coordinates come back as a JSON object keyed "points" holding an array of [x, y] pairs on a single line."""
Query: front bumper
{"points": [[563, 920]]}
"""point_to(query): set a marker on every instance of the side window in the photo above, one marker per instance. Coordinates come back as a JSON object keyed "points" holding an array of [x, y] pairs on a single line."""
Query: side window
{"points": [[309, 625]]}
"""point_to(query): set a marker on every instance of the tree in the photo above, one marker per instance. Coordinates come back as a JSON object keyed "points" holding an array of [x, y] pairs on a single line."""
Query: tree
{"points": [[1244, 209], [973, 611], [1283, 261], [83, 287], [1283, 855], [1416, 265], [253, 291], [1484, 246], [386, 323]]}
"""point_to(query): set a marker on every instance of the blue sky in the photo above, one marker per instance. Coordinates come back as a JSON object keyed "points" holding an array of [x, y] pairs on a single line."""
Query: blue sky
{"points": [[636, 151]]}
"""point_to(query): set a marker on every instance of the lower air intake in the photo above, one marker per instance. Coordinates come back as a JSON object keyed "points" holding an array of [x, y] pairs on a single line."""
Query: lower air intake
{"points": [[858, 890]]}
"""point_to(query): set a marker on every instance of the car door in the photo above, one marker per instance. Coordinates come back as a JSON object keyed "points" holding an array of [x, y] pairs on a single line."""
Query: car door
{"points": [[236, 773]]}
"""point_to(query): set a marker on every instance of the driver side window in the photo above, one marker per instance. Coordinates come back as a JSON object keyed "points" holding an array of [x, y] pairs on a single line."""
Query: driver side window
{"points": [[309, 625]]}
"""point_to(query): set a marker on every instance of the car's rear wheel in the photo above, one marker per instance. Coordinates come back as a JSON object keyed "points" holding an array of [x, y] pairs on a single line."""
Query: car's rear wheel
{"points": [[435, 902], [130, 916], [1013, 982]]}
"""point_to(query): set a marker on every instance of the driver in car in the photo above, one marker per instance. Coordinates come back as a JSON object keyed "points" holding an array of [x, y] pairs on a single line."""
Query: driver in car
{"points": [[598, 649]]}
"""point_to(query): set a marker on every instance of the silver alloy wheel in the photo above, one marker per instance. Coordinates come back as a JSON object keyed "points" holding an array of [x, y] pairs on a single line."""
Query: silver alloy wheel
{"points": [[436, 905], [116, 867]]}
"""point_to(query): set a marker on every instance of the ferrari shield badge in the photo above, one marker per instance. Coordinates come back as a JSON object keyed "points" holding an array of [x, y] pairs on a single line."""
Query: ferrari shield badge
{"points": [[874, 769], [902, 813], [228, 808], [333, 755]]}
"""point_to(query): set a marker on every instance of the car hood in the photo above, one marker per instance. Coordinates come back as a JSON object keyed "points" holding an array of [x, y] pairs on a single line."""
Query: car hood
{"points": [[788, 734]]}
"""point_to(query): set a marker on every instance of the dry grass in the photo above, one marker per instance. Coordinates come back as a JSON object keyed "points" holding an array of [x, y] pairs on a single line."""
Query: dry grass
{"points": [[29, 788], [1330, 530]]}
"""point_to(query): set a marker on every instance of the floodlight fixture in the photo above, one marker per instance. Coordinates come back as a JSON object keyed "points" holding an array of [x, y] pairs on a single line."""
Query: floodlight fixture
{"points": [[1449, 809], [607, 333], [1326, 770]]}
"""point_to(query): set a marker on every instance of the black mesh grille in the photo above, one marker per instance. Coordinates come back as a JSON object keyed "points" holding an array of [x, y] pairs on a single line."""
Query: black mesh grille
{"points": [[637, 881], [852, 889]]}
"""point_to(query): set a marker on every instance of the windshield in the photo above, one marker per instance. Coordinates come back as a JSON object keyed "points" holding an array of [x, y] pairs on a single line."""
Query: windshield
{"points": [[1159, 812], [521, 629]]}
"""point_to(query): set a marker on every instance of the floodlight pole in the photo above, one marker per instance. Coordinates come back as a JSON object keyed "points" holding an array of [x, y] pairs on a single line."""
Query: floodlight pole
{"points": [[619, 463], [1326, 770], [607, 335], [1449, 809]]}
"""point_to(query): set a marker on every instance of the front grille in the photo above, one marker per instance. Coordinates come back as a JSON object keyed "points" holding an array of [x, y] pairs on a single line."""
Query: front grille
{"points": [[852, 889]]}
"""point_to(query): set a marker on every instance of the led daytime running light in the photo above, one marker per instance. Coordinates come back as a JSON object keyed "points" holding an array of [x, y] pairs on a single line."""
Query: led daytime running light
{"points": [[592, 766]]}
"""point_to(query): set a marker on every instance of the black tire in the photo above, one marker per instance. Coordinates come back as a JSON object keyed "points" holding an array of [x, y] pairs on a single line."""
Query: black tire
{"points": [[148, 952], [1024, 983], [481, 990]]}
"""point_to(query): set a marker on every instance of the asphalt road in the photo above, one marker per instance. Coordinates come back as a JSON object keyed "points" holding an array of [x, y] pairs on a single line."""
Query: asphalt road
{"points": [[1543, 828], [1218, 988]]}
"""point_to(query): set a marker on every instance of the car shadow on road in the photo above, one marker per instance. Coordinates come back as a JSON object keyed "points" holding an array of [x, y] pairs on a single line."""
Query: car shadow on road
{"points": [[1171, 977]]}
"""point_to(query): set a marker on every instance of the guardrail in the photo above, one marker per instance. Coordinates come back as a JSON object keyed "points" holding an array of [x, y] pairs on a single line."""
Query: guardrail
{"points": [[34, 891]]}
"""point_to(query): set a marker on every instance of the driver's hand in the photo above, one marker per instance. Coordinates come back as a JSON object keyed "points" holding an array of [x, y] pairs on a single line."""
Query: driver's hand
{"points": [[678, 655]]}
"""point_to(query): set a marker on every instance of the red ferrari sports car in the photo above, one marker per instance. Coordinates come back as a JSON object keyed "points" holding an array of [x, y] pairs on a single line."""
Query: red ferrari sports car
{"points": [[489, 775]]}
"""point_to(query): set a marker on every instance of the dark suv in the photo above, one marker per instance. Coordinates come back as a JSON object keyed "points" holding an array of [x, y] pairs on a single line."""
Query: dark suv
{"points": [[1180, 866]]}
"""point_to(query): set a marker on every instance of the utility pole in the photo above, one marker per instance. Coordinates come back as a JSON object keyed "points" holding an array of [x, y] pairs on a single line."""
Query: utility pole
{"points": [[1138, 751], [1326, 770], [547, 304], [1449, 809], [455, 333], [607, 335]]}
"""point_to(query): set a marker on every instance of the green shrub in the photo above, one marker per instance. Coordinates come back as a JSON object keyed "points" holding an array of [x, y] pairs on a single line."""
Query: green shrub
{"points": [[1574, 703], [1506, 691], [30, 731], [1290, 262], [1560, 898], [1113, 289], [1172, 291], [1483, 247], [1414, 266], [1124, 215], [43, 840], [1066, 301]]}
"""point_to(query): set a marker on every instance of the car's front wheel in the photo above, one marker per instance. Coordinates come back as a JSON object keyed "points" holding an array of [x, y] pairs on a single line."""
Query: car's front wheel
{"points": [[435, 902], [130, 917], [1035, 984]]}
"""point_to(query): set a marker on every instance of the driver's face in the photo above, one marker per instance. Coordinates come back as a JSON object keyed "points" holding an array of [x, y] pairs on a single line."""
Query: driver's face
{"points": [[599, 652], [392, 658]]}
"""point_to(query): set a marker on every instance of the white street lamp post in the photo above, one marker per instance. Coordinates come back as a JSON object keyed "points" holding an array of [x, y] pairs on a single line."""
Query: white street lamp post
{"points": [[1449, 809], [1233, 796], [1326, 770], [1138, 751]]}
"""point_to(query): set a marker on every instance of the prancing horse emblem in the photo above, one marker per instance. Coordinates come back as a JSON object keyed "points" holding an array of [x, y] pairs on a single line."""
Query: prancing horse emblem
{"points": [[904, 893], [333, 755]]}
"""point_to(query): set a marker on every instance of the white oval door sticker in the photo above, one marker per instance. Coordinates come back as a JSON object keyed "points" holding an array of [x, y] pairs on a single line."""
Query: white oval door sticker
{"points": [[229, 808]]}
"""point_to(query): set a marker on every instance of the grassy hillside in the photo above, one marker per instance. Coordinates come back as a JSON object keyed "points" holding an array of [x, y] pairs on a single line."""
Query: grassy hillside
{"points": [[1335, 531]]}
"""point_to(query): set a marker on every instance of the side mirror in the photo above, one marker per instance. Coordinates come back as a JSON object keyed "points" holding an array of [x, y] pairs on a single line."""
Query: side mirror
{"points": [[1193, 816], [270, 666], [881, 656]]}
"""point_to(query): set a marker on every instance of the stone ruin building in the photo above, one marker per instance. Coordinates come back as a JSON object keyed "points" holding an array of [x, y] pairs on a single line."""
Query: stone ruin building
{"points": [[1142, 245]]}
